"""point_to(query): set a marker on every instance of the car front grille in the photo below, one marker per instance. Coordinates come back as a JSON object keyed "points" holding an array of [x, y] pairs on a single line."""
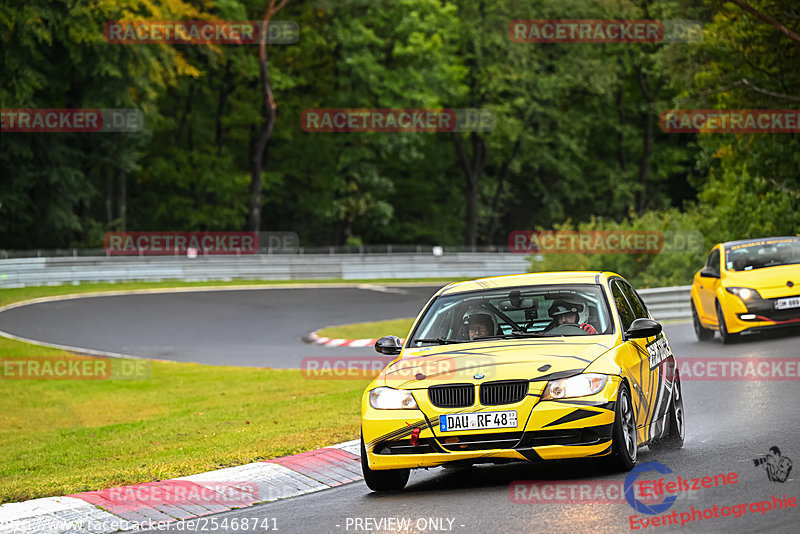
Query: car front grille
{"points": [[452, 396], [505, 392]]}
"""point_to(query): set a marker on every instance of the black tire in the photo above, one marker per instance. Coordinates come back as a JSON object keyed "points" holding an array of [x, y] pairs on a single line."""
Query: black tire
{"points": [[702, 333], [624, 444], [383, 480], [676, 424], [726, 336]]}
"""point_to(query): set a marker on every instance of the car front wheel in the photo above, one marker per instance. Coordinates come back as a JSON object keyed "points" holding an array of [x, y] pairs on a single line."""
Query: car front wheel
{"points": [[676, 426], [383, 480], [624, 444], [702, 333], [726, 336]]}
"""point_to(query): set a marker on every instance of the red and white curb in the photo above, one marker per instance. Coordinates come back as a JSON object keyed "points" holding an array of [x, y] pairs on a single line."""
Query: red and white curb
{"points": [[143, 506], [315, 339]]}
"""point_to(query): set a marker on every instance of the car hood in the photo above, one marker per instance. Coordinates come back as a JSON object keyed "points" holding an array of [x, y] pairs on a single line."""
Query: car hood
{"points": [[506, 359], [770, 282]]}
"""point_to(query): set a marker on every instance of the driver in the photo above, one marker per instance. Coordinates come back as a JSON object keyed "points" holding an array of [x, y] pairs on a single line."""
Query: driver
{"points": [[564, 312]]}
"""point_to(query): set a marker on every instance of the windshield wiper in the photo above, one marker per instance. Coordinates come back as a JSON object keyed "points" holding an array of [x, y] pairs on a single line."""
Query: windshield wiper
{"points": [[440, 340], [518, 333]]}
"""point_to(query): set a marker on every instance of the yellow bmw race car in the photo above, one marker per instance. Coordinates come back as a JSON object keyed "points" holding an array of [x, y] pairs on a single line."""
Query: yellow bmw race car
{"points": [[526, 367], [750, 285]]}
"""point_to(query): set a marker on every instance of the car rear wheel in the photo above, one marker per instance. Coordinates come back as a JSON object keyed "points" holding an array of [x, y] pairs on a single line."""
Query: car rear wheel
{"points": [[726, 336], [384, 480], [676, 426], [702, 333], [624, 445]]}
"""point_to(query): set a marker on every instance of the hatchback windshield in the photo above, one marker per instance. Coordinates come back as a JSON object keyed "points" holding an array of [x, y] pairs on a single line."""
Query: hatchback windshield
{"points": [[509, 313], [764, 253]]}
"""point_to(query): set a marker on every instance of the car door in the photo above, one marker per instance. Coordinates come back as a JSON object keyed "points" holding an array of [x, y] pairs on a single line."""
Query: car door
{"points": [[654, 350], [707, 290], [639, 362]]}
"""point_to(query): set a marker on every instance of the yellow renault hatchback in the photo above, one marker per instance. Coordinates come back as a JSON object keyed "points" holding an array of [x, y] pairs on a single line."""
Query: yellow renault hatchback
{"points": [[747, 286], [528, 367]]}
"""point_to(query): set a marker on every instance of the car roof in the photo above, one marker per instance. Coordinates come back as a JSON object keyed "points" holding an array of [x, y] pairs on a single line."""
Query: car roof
{"points": [[515, 280], [728, 244]]}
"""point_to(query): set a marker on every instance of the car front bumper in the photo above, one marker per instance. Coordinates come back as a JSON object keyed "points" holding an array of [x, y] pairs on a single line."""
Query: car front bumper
{"points": [[546, 430]]}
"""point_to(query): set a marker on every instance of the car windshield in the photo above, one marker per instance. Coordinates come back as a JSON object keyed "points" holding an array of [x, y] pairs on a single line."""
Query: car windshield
{"points": [[512, 313], [764, 253]]}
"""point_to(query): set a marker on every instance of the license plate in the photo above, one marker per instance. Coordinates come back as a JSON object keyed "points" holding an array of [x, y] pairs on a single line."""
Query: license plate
{"points": [[784, 304], [477, 421]]}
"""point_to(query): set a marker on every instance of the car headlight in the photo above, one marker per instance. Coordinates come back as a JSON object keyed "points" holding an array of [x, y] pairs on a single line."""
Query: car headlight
{"points": [[744, 293], [392, 399], [574, 386]]}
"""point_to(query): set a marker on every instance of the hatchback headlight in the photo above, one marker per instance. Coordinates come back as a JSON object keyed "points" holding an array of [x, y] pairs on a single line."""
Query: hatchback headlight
{"points": [[392, 399], [744, 293], [574, 386]]}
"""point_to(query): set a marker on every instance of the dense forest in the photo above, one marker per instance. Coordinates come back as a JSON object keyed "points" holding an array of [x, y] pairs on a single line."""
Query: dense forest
{"points": [[576, 140]]}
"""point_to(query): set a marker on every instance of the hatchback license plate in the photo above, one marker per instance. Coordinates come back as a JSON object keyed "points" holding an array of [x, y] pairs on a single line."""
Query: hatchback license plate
{"points": [[785, 304], [477, 421]]}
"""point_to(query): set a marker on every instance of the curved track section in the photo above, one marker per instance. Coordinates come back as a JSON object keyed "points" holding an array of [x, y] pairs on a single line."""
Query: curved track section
{"points": [[729, 423], [255, 327]]}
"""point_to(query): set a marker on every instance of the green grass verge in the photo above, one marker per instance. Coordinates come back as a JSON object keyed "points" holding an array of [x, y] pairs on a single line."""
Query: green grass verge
{"points": [[370, 330], [66, 436]]}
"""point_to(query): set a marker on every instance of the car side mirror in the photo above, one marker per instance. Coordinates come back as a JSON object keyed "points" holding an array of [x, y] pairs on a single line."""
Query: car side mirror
{"points": [[643, 328], [708, 272], [389, 345]]}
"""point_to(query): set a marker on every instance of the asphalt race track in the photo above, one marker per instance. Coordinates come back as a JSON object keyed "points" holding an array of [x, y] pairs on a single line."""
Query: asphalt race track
{"points": [[729, 423], [259, 327]]}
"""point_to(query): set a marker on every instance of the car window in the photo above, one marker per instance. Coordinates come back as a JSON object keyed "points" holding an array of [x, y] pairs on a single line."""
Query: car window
{"points": [[626, 315], [638, 307], [762, 253], [509, 312], [713, 261]]}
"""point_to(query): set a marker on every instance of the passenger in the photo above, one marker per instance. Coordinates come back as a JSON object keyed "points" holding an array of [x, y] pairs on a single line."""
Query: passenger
{"points": [[564, 312]]}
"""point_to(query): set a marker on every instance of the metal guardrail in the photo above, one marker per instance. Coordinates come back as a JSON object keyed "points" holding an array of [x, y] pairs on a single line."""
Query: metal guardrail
{"points": [[21, 272], [668, 303], [665, 303]]}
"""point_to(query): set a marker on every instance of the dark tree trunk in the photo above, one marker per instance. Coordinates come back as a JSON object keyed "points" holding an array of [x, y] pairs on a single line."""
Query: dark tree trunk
{"points": [[650, 97], [495, 220], [268, 108], [473, 165], [108, 192], [122, 200]]}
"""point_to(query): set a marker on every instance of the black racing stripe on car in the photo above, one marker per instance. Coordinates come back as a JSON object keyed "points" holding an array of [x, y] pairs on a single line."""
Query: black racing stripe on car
{"points": [[609, 405], [530, 454], [575, 415], [579, 437], [401, 432], [604, 452], [557, 375]]}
